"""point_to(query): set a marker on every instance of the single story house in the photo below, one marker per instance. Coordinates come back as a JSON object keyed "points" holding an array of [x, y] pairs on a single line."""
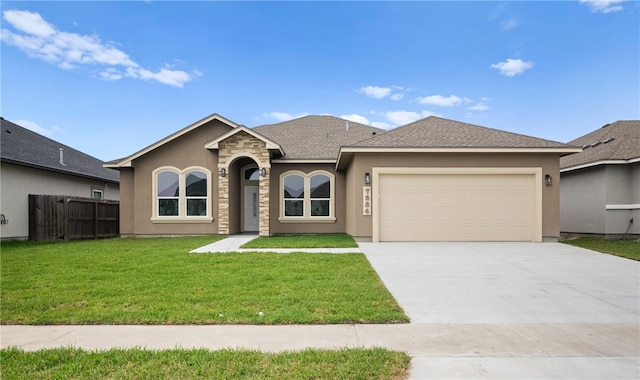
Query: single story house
{"points": [[33, 164], [600, 187], [433, 179]]}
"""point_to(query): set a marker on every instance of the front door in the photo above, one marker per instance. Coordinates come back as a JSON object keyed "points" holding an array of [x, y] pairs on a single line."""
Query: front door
{"points": [[251, 208]]}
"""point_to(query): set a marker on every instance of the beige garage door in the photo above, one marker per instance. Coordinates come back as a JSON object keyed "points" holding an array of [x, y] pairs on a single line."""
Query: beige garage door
{"points": [[457, 207]]}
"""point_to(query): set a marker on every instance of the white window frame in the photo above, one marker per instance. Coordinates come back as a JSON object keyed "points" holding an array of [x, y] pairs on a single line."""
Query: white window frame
{"points": [[306, 215], [182, 216], [96, 191]]}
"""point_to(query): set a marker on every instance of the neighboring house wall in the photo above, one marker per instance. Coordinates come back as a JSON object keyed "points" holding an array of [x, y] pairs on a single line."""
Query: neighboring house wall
{"points": [[17, 182], [601, 200], [361, 226], [582, 200]]}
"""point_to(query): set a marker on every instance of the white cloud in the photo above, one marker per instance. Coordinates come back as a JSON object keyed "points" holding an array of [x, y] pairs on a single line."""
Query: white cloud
{"points": [[480, 106], [30, 23], [282, 116], [442, 101], [396, 97], [603, 6], [375, 92], [110, 74], [39, 39], [512, 67], [405, 117], [356, 118], [509, 24], [37, 128], [381, 125]]}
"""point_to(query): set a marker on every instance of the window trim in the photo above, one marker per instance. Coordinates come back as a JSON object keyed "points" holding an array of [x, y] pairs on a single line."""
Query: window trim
{"points": [[97, 190], [306, 213], [182, 216]]}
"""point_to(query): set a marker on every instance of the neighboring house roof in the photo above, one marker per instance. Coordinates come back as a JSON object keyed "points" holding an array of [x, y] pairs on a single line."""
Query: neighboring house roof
{"points": [[20, 146], [313, 138], [616, 143]]}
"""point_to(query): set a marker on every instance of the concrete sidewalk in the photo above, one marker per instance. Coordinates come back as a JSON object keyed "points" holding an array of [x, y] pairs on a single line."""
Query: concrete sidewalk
{"points": [[234, 242], [439, 351]]}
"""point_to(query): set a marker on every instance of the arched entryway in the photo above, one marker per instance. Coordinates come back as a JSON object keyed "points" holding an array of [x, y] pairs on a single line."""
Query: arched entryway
{"points": [[250, 202]]}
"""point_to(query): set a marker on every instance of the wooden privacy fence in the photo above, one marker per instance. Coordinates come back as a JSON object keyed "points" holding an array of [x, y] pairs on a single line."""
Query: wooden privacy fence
{"points": [[59, 217]]}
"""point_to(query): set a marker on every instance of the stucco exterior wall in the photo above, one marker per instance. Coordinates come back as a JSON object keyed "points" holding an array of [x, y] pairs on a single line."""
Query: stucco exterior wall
{"points": [[593, 200], [17, 182], [183, 152], [278, 227], [582, 200], [361, 226]]}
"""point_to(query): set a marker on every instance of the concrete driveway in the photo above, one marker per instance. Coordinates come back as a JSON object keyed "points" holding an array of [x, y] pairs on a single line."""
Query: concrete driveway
{"points": [[549, 293]]}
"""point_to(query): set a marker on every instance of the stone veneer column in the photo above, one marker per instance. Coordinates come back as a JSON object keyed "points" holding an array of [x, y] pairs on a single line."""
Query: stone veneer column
{"points": [[264, 204], [223, 203]]}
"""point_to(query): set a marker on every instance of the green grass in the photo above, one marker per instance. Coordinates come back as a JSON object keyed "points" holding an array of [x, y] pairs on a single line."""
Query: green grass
{"points": [[303, 241], [73, 363], [155, 281], [629, 249]]}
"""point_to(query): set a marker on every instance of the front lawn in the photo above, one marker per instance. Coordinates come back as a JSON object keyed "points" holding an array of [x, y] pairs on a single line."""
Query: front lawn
{"points": [[629, 249], [155, 281], [303, 241], [73, 363]]}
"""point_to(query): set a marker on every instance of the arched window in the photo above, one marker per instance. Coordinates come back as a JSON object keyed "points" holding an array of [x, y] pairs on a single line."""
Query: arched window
{"points": [[196, 193], [307, 196], [168, 193], [181, 194]]}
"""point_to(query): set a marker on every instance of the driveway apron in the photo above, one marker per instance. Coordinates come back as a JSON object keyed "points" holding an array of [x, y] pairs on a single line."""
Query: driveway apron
{"points": [[549, 294]]}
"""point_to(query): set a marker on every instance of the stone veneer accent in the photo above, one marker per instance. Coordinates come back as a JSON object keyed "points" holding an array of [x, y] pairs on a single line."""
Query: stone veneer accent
{"points": [[237, 146]]}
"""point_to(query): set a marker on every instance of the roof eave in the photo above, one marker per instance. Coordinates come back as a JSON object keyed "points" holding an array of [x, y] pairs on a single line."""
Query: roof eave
{"points": [[346, 153], [57, 170], [599, 163]]}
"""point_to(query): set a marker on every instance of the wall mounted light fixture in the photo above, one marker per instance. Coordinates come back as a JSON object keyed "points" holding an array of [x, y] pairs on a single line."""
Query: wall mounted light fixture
{"points": [[548, 180], [367, 178], [263, 172], [223, 172]]}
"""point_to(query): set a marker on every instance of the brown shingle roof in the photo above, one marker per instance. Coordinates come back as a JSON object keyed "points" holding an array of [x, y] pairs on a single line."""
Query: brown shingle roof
{"points": [[316, 137], [616, 141], [435, 132]]}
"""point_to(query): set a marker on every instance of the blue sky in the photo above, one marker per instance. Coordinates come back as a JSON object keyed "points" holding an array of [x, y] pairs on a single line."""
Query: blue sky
{"points": [[109, 78]]}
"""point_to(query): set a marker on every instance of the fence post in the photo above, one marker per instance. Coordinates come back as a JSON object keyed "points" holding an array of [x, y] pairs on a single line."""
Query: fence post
{"points": [[66, 219], [95, 219]]}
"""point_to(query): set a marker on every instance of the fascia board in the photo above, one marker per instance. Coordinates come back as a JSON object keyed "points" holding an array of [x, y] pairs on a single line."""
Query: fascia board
{"points": [[598, 163]]}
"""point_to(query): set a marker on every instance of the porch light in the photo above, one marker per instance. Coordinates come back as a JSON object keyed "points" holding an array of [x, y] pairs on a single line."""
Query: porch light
{"points": [[548, 180], [367, 178], [223, 172], [263, 172]]}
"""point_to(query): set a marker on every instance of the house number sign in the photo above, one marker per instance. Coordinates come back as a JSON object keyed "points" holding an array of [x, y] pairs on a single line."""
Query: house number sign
{"points": [[366, 200]]}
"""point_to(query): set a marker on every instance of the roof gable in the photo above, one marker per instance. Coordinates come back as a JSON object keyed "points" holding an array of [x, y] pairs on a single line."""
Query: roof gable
{"points": [[127, 161], [618, 142], [270, 144], [23, 147], [313, 138]]}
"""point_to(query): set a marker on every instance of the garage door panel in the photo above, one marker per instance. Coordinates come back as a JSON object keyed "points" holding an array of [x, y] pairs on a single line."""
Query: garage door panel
{"points": [[456, 207]]}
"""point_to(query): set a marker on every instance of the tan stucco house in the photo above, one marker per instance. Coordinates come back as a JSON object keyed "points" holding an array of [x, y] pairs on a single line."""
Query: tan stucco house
{"points": [[434, 179]]}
